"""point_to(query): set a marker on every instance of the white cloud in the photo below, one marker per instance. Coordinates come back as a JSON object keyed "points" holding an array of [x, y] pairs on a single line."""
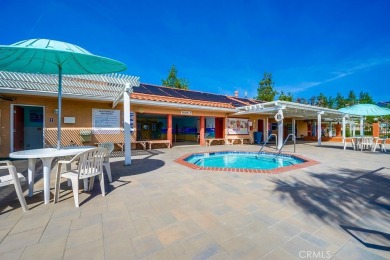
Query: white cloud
{"points": [[302, 86]]}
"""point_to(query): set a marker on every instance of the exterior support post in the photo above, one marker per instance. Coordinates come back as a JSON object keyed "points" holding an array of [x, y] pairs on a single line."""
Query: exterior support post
{"points": [[280, 132], [330, 129], [169, 129], [343, 130], [127, 130], [202, 131], [361, 126], [293, 129], [319, 132], [265, 129]]}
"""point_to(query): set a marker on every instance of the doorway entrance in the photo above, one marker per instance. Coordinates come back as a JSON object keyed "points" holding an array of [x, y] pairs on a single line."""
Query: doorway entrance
{"points": [[26, 127], [219, 127], [260, 128]]}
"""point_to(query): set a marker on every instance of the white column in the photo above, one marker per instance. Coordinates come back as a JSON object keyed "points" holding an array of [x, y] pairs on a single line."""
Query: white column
{"points": [[319, 133], [350, 129], [361, 126], [127, 130], [280, 131], [265, 130], [343, 130], [330, 129], [353, 129], [293, 129]]}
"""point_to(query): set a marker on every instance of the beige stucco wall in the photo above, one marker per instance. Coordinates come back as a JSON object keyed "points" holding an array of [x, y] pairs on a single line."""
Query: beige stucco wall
{"points": [[81, 110]]}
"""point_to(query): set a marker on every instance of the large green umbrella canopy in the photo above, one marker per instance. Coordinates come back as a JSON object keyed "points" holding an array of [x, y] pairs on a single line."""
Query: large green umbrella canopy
{"points": [[363, 110], [54, 57], [366, 110]]}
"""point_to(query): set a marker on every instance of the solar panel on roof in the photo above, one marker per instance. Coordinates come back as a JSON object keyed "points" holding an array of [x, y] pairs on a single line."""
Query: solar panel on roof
{"points": [[195, 95]]}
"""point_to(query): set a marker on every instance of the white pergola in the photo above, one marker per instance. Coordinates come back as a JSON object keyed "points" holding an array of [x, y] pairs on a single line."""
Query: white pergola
{"points": [[294, 111], [108, 87]]}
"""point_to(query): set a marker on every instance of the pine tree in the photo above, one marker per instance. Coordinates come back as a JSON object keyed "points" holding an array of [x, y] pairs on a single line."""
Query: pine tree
{"points": [[173, 81], [265, 91]]}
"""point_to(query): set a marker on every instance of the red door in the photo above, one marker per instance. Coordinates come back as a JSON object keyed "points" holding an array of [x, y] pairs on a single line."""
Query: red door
{"points": [[260, 125], [219, 127], [18, 128]]}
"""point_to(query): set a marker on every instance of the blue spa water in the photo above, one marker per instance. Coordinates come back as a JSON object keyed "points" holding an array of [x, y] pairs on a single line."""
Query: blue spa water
{"points": [[242, 160]]}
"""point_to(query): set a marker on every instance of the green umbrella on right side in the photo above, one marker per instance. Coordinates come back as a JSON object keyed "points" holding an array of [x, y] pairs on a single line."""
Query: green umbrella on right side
{"points": [[363, 110]]}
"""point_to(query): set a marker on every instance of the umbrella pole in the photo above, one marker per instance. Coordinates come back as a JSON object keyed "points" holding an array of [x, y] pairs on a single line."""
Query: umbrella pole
{"points": [[59, 107]]}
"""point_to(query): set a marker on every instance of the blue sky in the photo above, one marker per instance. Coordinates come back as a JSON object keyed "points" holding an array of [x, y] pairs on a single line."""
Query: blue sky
{"points": [[223, 46]]}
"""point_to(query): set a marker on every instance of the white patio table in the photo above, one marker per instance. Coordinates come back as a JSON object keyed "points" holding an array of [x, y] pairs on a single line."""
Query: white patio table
{"points": [[46, 155]]}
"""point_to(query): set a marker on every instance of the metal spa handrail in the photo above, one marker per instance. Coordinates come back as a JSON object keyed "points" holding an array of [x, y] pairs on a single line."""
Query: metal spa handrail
{"points": [[285, 140], [269, 137]]}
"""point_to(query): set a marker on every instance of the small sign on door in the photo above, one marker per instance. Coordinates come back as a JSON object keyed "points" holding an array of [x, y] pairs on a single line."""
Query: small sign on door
{"points": [[51, 120]]}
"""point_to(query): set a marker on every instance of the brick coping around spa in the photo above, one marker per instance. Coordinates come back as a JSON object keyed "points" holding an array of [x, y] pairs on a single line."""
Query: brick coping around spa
{"points": [[306, 163]]}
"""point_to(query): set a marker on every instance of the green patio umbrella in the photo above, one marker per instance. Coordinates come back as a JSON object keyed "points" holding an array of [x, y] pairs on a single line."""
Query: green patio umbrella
{"points": [[366, 110], [54, 57], [363, 110]]}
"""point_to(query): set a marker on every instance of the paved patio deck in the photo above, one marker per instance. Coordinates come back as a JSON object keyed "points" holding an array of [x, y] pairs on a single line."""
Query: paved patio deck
{"points": [[159, 209]]}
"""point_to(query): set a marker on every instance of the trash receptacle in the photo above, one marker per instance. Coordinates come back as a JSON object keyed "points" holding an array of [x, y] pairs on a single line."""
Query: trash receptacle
{"points": [[258, 136]]}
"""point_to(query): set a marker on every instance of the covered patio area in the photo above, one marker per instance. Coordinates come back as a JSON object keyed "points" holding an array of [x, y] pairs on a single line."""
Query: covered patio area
{"points": [[282, 110]]}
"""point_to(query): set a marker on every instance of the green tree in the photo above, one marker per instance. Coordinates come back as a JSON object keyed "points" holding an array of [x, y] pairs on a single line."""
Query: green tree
{"points": [[340, 101], [331, 102], [351, 99], [365, 98], [286, 97], [173, 81], [322, 101], [312, 101], [301, 100], [266, 91]]}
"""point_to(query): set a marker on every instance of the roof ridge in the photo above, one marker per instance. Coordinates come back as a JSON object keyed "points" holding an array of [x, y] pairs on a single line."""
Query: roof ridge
{"points": [[235, 99]]}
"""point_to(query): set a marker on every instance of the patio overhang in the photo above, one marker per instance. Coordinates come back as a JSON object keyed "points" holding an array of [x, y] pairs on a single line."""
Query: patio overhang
{"points": [[291, 110], [109, 87]]}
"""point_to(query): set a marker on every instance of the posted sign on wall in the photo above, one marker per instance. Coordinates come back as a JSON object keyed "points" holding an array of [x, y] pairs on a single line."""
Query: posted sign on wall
{"points": [[238, 126], [105, 121]]}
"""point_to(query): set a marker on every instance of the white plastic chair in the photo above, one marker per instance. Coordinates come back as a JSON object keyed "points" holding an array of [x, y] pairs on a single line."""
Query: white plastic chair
{"points": [[90, 164], [110, 147], [13, 178], [366, 143]]}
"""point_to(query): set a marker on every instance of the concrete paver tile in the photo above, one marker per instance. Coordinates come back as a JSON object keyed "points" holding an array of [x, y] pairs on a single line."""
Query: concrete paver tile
{"points": [[238, 247], [55, 228], [172, 233], [85, 221], [81, 236], [279, 254], [161, 220], [52, 249], [12, 254], [89, 250], [221, 232], [118, 246], [351, 251], [21, 239], [202, 246], [146, 245], [301, 248], [142, 226]]}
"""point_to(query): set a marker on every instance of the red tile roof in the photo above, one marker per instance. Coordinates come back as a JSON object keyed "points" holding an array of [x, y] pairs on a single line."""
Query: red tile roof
{"points": [[176, 100]]}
